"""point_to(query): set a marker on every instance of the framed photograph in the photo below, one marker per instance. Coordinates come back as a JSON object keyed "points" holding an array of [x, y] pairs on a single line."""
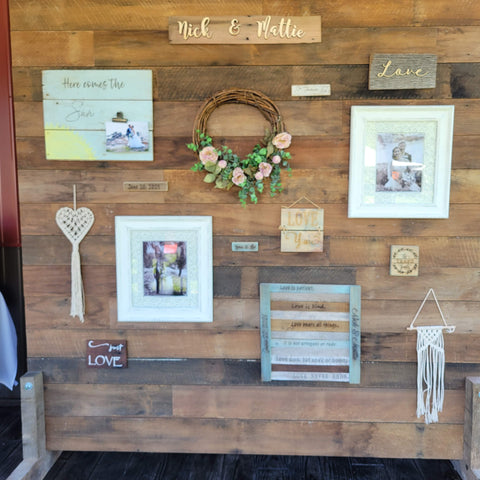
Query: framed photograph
{"points": [[164, 269], [400, 161]]}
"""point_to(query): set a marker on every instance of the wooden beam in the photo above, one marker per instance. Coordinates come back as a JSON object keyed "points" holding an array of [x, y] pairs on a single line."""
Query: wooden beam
{"points": [[469, 467], [37, 460]]}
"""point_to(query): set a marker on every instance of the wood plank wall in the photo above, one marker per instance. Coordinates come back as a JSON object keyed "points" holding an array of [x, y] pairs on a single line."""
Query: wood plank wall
{"points": [[197, 388]]}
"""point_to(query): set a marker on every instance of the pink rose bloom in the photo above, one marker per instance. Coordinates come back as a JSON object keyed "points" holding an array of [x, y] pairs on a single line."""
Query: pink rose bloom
{"points": [[276, 159], [259, 175], [282, 140], [238, 176], [222, 163], [208, 154], [265, 168]]}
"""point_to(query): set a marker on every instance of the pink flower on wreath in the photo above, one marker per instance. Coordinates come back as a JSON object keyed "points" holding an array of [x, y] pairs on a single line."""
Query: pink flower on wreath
{"points": [[238, 177], [259, 175], [282, 140], [265, 169], [222, 163], [208, 154], [276, 159]]}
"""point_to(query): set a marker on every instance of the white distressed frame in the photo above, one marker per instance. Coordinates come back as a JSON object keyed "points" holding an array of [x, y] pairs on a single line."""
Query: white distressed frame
{"points": [[436, 122], [132, 304]]}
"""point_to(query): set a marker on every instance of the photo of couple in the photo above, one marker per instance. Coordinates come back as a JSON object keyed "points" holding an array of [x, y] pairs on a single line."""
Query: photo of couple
{"points": [[127, 137], [399, 163]]}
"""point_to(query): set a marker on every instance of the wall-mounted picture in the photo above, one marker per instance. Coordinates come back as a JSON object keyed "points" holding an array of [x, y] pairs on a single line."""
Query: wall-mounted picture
{"points": [[79, 105], [164, 269], [128, 137], [400, 161]]}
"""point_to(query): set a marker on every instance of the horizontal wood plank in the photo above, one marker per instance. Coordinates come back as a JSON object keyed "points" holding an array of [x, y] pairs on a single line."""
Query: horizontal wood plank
{"points": [[239, 344], [248, 221], [231, 372], [108, 400], [291, 403], [271, 437], [70, 16]]}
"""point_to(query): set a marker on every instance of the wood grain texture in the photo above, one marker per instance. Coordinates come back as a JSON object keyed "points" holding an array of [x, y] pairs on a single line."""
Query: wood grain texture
{"points": [[211, 372], [108, 400], [191, 387], [332, 404], [271, 437]]}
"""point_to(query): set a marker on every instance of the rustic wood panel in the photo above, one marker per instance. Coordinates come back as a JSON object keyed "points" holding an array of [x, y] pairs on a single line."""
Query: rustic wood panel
{"points": [[339, 46], [196, 83], [239, 344], [108, 400], [175, 343], [232, 313], [448, 283], [231, 372], [271, 437], [339, 251], [107, 187], [68, 16], [213, 370], [53, 49], [333, 404], [247, 221]]}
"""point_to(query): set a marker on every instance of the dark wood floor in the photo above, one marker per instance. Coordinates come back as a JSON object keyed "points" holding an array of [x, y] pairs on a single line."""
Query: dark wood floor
{"points": [[154, 466]]}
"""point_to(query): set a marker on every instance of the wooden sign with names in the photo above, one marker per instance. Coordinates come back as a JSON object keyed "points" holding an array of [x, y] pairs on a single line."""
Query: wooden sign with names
{"points": [[244, 29], [402, 71], [310, 332], [404, 260], [106, 353], [302, 230]]}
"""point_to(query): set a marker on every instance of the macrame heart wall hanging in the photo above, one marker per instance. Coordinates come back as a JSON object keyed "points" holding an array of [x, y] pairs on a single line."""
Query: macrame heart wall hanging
{"points": [[431, 364], [75, 224]]}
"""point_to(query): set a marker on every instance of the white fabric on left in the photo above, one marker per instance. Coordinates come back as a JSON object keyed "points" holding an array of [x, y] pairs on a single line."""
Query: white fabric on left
{"points": [[8, 347]]}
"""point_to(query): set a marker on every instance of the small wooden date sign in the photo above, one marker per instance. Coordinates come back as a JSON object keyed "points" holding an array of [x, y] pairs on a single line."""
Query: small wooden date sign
{"points": [[106, 353], [310, 332]]}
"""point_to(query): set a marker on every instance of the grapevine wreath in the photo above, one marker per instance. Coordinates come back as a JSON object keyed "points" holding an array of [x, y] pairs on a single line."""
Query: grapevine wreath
{"points": [[263, 165]]}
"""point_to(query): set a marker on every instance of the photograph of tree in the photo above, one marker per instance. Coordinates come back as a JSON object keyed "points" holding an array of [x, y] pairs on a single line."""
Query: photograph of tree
{"points": [[164, 268]]}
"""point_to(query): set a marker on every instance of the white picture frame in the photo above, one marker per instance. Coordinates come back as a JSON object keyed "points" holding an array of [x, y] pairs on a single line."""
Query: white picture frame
{"points": [[164, 268], [385, 180]]}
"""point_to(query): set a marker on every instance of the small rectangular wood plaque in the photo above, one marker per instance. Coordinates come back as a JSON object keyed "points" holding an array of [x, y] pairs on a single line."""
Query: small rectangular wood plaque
{"points": [[145, 186], [106, 353], [311, 90], [402, 71], [404, 260], [244, 246]]}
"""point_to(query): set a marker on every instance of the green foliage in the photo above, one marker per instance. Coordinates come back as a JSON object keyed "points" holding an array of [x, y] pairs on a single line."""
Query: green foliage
{"points": [[251, 174]]}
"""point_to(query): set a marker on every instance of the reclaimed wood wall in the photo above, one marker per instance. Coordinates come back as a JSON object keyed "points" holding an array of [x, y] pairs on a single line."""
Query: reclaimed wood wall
{"points": [[197, 388]]}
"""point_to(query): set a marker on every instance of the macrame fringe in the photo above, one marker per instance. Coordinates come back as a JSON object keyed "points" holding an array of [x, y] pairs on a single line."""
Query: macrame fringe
{"points": [[77, 306], [430, 372]]}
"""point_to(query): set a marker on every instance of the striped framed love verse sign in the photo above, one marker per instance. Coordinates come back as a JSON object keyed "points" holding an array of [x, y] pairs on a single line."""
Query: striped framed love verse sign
{"points": [[310, 332]]}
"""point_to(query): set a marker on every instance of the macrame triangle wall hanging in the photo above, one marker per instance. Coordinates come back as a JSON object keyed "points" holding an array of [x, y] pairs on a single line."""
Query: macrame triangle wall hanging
{"points": [[431, 364], [75, 224]]}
